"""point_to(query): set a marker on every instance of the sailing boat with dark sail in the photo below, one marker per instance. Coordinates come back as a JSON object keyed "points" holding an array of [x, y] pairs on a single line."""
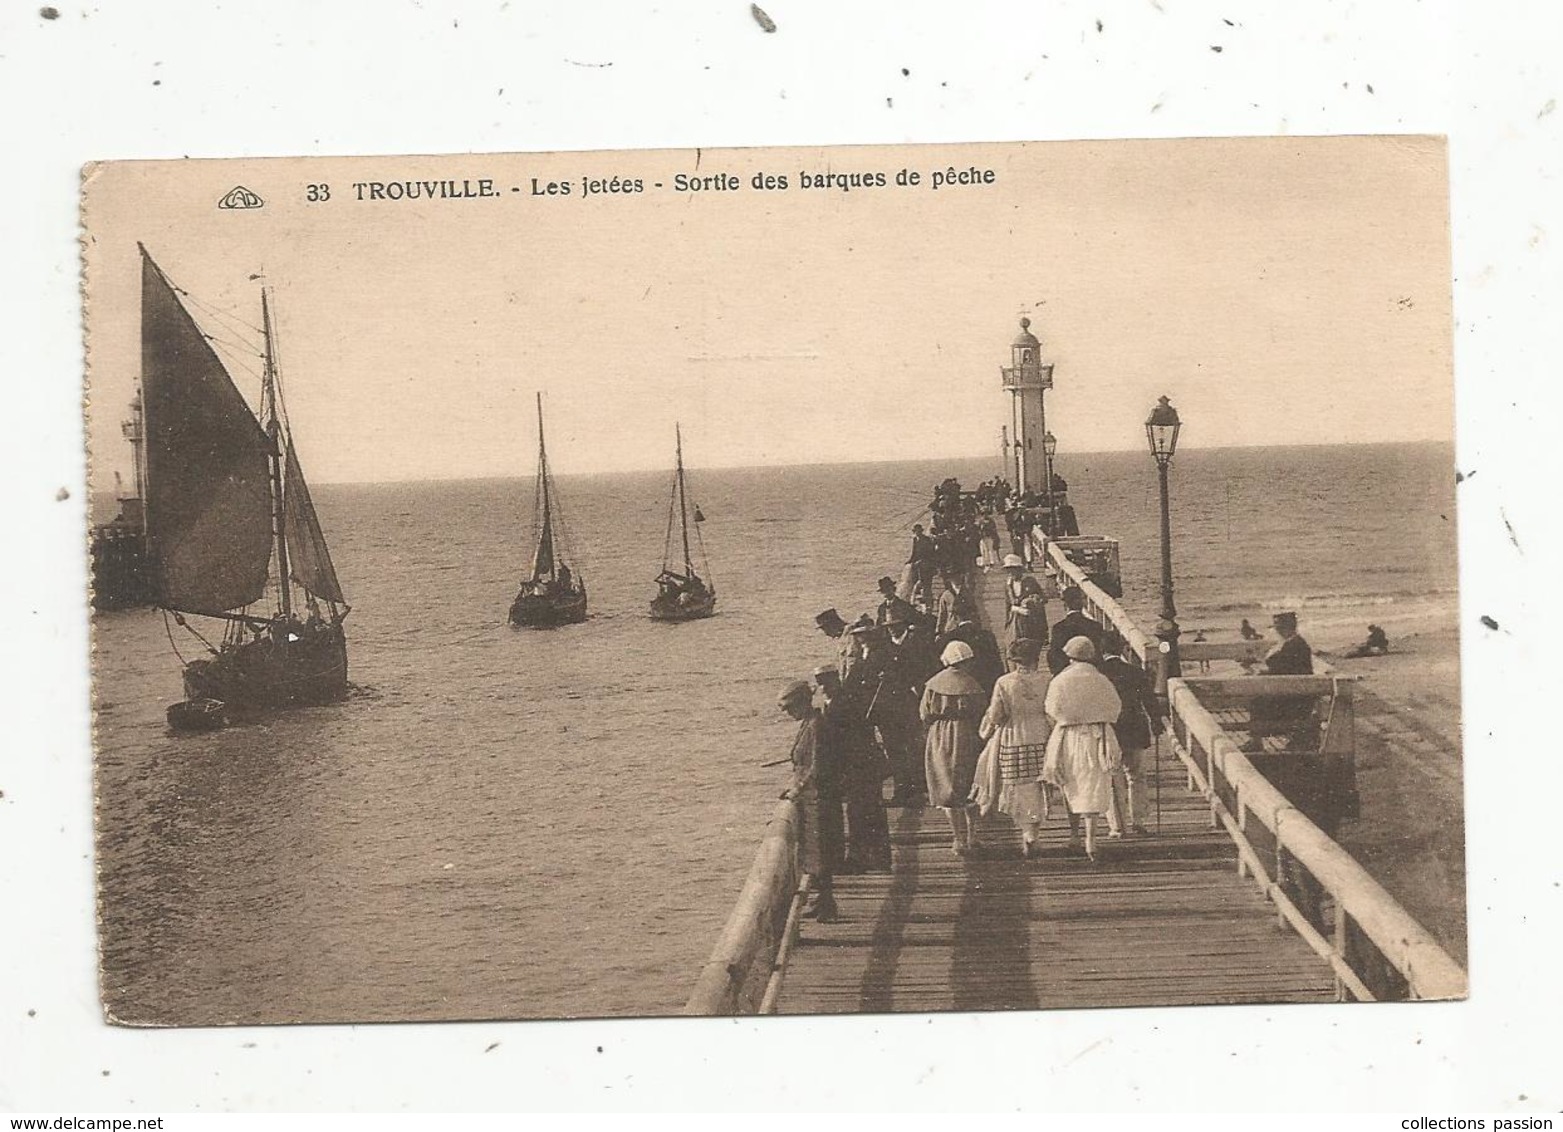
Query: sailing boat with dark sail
{"points": [[553, 594], [683, 595], [230, 522]]}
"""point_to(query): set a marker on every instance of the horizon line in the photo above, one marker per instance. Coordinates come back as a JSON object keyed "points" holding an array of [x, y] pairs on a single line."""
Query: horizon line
{"points": [[857, 463], [505, 476]]}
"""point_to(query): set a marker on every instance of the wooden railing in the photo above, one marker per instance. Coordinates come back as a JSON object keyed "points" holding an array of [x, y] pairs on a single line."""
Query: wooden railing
{"points": [[1375, 947], [1377, 950], [746, 967]]}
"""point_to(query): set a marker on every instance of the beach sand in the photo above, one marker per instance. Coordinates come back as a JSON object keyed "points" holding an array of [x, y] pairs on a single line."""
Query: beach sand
{"points": [[1411, 833]]}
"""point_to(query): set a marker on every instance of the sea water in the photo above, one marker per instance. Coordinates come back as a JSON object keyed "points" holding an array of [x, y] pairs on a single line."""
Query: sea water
{"points": [[505, 823]]}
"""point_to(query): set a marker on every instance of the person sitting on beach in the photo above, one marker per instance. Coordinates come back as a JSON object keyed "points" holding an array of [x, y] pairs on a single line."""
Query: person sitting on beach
{"points": [[1377, 643], [1247, 631], [1073, 624]]}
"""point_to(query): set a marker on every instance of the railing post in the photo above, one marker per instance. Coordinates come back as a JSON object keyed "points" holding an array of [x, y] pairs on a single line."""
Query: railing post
{"points": [[1242, 827], [1340, 949]]}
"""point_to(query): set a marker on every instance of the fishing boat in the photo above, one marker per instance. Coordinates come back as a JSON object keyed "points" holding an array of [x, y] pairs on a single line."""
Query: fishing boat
{"points": [[682, 595], [554, 594], [231, 531]]}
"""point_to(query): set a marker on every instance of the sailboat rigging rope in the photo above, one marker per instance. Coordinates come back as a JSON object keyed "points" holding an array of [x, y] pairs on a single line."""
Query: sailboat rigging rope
{"points": [[171, 643], [230, 320], [667, 541], [923, 510], [243, 348], [187, 627], [705, 562]]}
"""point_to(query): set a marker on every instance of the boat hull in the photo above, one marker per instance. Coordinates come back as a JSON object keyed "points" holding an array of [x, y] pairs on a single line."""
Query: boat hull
{"points": [[676, 609], [304, 665], [537, 611]]}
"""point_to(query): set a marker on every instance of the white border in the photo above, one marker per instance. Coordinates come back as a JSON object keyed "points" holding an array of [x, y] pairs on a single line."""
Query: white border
{"points": [[290, 77]]}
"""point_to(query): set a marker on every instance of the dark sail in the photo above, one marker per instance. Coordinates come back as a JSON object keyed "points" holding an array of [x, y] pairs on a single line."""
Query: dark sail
{"points": [[208, 498], [309, 560], [543, 560]]}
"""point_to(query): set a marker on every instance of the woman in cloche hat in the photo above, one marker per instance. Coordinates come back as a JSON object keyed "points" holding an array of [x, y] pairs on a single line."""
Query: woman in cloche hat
{"points": [[1025, 612], [1083, 748], [951, 709]]}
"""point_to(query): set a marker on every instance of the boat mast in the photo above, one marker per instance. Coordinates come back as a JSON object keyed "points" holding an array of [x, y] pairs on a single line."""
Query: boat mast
{"points": [[546, 531], [274, 430], [683, 509]]}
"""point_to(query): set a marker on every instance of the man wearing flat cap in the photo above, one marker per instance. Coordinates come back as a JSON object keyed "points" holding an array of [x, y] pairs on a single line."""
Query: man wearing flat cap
{"points": [[814, 788]]}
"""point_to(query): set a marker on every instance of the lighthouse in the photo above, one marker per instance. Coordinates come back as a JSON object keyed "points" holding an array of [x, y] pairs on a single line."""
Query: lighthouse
{"points": [[1027, 379]]}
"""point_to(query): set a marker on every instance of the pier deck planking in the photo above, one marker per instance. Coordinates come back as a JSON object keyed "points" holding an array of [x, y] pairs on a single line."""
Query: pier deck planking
{"points": [[1158, 920]]}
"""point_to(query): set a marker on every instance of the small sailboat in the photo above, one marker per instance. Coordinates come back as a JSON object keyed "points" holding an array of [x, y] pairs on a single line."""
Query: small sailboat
{"points": [[683, 595], [229, 521], [554, 594]]}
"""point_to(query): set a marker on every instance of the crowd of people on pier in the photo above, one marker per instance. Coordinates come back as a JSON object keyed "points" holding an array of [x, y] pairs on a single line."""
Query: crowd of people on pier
{"points": [[1052, 723]]}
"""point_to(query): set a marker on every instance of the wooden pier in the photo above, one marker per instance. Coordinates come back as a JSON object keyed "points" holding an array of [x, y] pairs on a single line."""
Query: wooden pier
{"points": [[1158, 920], [1234, 897]]}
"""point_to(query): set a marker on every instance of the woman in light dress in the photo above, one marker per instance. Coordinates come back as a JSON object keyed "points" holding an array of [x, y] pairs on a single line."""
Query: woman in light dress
{"points": [[1083, 749], [1017, 728], [951, 709]]}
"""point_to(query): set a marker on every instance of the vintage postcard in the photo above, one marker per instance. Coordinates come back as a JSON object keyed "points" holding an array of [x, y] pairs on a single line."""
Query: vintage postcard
{"points": [[911, 579]]}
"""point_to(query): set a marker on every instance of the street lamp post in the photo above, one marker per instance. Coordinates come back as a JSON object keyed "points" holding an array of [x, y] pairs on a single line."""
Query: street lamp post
{"points": [[1049, 449], [1161, 430]]}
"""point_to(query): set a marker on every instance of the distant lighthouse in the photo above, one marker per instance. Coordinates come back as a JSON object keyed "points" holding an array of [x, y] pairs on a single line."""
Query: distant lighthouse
{"points": [[1027, 380]]}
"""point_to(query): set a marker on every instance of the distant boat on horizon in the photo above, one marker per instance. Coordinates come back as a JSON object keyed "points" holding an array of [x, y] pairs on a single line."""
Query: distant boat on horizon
{"points": [[682, 595], [553, 594]]}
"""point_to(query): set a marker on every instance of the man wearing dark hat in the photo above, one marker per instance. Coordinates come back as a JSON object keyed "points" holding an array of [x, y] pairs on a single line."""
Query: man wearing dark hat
{"points": [[831, 624], [890, 600], [1293, 656], [815, 789], [850, 735], [1073, 624], [905, 663], [1131, 779], [1290, 716]]}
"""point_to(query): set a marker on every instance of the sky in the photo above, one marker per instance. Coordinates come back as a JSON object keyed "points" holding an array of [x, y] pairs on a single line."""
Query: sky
{"points": [[1279, 290]]}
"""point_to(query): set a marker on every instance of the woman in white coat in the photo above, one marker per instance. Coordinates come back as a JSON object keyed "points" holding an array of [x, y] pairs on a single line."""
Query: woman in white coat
{"points": [[1083, 749]]}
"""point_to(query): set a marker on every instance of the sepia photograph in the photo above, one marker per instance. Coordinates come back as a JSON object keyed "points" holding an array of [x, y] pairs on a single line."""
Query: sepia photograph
{"points": [[856, 580]]}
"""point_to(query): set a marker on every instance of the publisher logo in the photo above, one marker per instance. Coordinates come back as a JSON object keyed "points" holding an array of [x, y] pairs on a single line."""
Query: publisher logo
{"points": [[241, 197]]}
